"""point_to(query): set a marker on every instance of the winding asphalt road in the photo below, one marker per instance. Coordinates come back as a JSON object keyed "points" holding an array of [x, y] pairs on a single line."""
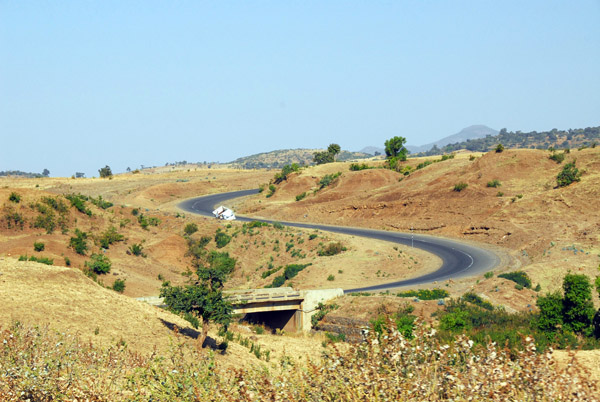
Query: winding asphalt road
{"points": [[458, 259]]}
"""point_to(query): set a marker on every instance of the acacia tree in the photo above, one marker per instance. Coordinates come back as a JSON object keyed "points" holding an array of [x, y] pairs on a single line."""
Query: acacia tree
{"points": [[334, 149], [201, 301], [394, 148], [327, 156], [105, 172]]}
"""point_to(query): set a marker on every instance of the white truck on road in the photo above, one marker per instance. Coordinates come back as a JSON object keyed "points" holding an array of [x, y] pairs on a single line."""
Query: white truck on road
{"points": [[224, 213]]}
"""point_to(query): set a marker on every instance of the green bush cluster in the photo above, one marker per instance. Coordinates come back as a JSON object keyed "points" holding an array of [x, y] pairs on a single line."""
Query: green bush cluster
{"points": [[136, 249], [301, 196], [39, 246], [98, 264], [569, 174], [477, 300], [109, 237], [494, 183], [46, 218], [79, 242], [222, 239], [119, 285], [519, 277], [556, 157], [289, 272], [78, 201], [331, 249], [460, 186], [146, 221], [14, 197], [272, 190], [41, 260], [425, 294], [13, 218], [328, 179], [190, 229], [285, 172], [100, 202], [359, 166], [404, 320], [572, 311], [322, 311]]}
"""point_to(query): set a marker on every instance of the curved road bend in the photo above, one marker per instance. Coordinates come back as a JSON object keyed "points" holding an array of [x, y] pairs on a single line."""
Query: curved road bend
{"points": [[458, 259]]}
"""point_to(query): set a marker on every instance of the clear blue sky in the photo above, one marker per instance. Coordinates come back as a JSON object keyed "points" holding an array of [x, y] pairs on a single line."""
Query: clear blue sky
{"points": [[85, 84]]}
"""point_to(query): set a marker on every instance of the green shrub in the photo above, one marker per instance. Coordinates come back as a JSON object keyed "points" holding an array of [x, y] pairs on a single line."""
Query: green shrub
{"points": [[109, 237], [460, 186], [494, 183], [301, 196], [222, 239], [56, 203], [477, 300], [39, 246], [289, 272], [78, 201], [190, 229], [67, 262], [551, 308], [42, 260], [14, 197], [136, 249], [519, 277], [578, 309], [359, 166], [446, 157], [100, 202], [98, 264], [135, 211], [328, 179], [79, 242], [312, 236], [499, 194], [425, 294], [146, 221], [13, 218], [272, 190], [255, 224], [499, 148], [119, 285], [322, 311], [285, 172], [331, 278], [558, 158], [488, 274], [331, 249], [45, 219], [424, 164], [568, 175]]}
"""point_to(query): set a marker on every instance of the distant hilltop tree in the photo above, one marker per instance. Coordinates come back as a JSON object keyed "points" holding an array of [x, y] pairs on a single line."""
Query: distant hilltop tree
{"points": [[105, 172], [327, 156], [79, 175], [45, 173]]}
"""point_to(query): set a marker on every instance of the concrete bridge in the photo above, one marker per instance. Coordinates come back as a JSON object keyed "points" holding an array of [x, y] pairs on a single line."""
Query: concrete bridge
{"points": [[283, 308]]}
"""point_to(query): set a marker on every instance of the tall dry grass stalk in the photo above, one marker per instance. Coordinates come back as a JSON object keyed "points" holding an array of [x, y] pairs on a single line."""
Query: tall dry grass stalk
{"points": [[40, 365]]}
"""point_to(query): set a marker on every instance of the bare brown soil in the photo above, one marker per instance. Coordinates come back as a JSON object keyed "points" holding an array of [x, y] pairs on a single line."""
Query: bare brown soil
{"points": [[546, 231]]}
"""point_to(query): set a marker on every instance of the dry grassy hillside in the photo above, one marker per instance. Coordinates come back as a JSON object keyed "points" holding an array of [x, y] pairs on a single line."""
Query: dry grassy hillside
{"points": [[551, 230]]}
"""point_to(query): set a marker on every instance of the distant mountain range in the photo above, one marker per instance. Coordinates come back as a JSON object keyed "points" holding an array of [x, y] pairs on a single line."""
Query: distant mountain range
{"points": [[277, 159], [468, 133], [482, 138]]}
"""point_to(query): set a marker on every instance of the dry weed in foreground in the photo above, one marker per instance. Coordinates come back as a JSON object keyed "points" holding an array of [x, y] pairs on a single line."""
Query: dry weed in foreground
{"points": [[38, 365]]}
